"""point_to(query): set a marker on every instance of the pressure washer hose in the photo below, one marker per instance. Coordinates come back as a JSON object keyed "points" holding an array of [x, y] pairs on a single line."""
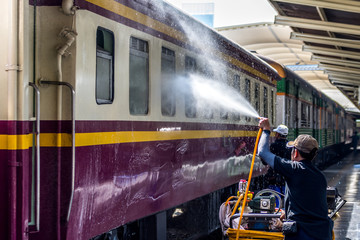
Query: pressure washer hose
{"points": [[249, 180]]}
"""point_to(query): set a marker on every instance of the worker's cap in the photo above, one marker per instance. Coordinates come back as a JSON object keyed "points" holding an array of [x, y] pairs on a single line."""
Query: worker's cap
{"points": [[282, 129], [304, 143]]}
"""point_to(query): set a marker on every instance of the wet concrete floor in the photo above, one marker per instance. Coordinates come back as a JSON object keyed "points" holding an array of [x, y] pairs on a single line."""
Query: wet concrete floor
{"points": [[345, 176]]}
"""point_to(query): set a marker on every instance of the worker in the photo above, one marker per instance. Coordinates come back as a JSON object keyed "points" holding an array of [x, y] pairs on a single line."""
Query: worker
{"points": [[274, 180], [306, 209], [279, 146], [355, 140]]}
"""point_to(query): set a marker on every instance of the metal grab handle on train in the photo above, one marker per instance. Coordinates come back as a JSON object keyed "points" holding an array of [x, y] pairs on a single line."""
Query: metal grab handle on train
{"points": [[37, 115], [72, 136]]}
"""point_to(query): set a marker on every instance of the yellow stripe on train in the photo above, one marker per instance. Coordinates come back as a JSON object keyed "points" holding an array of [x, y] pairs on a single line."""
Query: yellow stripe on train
{"points": [[138, 17], [22, 142], [89, 139], [15, 142]]}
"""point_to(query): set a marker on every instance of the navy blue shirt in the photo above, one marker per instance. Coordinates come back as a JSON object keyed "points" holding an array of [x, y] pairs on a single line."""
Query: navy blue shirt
{"points": [[279, 148], [305, 192], [305, 197]]}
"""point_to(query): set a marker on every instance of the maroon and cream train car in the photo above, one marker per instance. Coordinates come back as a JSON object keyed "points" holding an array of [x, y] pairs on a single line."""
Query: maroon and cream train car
{"points": [[94, 133]]}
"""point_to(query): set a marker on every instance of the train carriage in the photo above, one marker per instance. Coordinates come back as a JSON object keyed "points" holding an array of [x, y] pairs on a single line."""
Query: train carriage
{"points": [[95, 132], [101, 128], [306, 110]]}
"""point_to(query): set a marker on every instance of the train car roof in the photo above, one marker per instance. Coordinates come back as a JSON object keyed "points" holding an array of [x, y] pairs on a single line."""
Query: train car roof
{"points": [[163, 20]]}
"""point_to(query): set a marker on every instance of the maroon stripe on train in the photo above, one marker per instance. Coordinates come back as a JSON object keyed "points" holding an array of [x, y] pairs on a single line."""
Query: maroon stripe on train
{"points": [[113, 126], [26, 127], [47, 126], [109, 126], [15, 127], [45, 2]]}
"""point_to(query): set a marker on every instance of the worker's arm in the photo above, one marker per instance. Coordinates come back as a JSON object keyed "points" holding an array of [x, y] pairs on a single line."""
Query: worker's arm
{"points": [[263, 148]]}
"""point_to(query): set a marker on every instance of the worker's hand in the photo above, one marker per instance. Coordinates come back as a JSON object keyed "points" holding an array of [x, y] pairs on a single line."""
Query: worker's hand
{"points": [[282, 216], [264, 123]]}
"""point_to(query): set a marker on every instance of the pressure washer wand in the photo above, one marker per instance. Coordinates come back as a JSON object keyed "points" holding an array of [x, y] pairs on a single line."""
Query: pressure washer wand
{"points": [[249, 180]]}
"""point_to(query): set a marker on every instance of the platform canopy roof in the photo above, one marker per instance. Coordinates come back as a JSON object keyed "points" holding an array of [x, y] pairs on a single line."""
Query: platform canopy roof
{"points": [[318, 39]]}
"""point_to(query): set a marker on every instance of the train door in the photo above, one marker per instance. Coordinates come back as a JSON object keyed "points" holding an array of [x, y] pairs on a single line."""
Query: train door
{"points": [[52, 176], [18, 141]]}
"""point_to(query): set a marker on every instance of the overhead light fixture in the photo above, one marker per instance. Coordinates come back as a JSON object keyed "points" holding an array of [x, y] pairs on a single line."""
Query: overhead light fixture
{"points": [[339, 69], [331, 60], [331, 52], [342, 75], [344, 5], [345, 87], [346, 81], [317, 25], [341, 42]]}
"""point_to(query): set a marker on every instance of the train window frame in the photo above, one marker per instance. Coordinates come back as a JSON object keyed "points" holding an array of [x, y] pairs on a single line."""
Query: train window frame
{"points": [[190, 101], [305, 115], [247, 93], [266, 102], [139, 50], [104, 53], [224, 113], [237, 87], [272, 106], [257, 94], [206, 110], [168, 88], [289, 102]]}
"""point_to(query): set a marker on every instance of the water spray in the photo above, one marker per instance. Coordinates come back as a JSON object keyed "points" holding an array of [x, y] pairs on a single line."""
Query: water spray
{"points": [[214, 94], [249, 179]]}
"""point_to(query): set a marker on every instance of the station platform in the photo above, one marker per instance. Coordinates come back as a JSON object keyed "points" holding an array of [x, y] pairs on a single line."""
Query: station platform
{"points": [[345, 176]]}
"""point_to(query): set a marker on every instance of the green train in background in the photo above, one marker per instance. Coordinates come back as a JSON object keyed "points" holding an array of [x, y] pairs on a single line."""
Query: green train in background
{"points": [[305, 110]]}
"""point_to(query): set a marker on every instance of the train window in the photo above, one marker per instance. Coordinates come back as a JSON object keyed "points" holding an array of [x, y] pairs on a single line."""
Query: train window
{"points": [[208, 72], [224, 114], [104, 92], [190, 102], [139, 77], [247, 90], [206, 109], [305, 115], [237, 87], [266, 107], [168, 84], [289, 112], [329, 120], [190, 64], [257, 97]]}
